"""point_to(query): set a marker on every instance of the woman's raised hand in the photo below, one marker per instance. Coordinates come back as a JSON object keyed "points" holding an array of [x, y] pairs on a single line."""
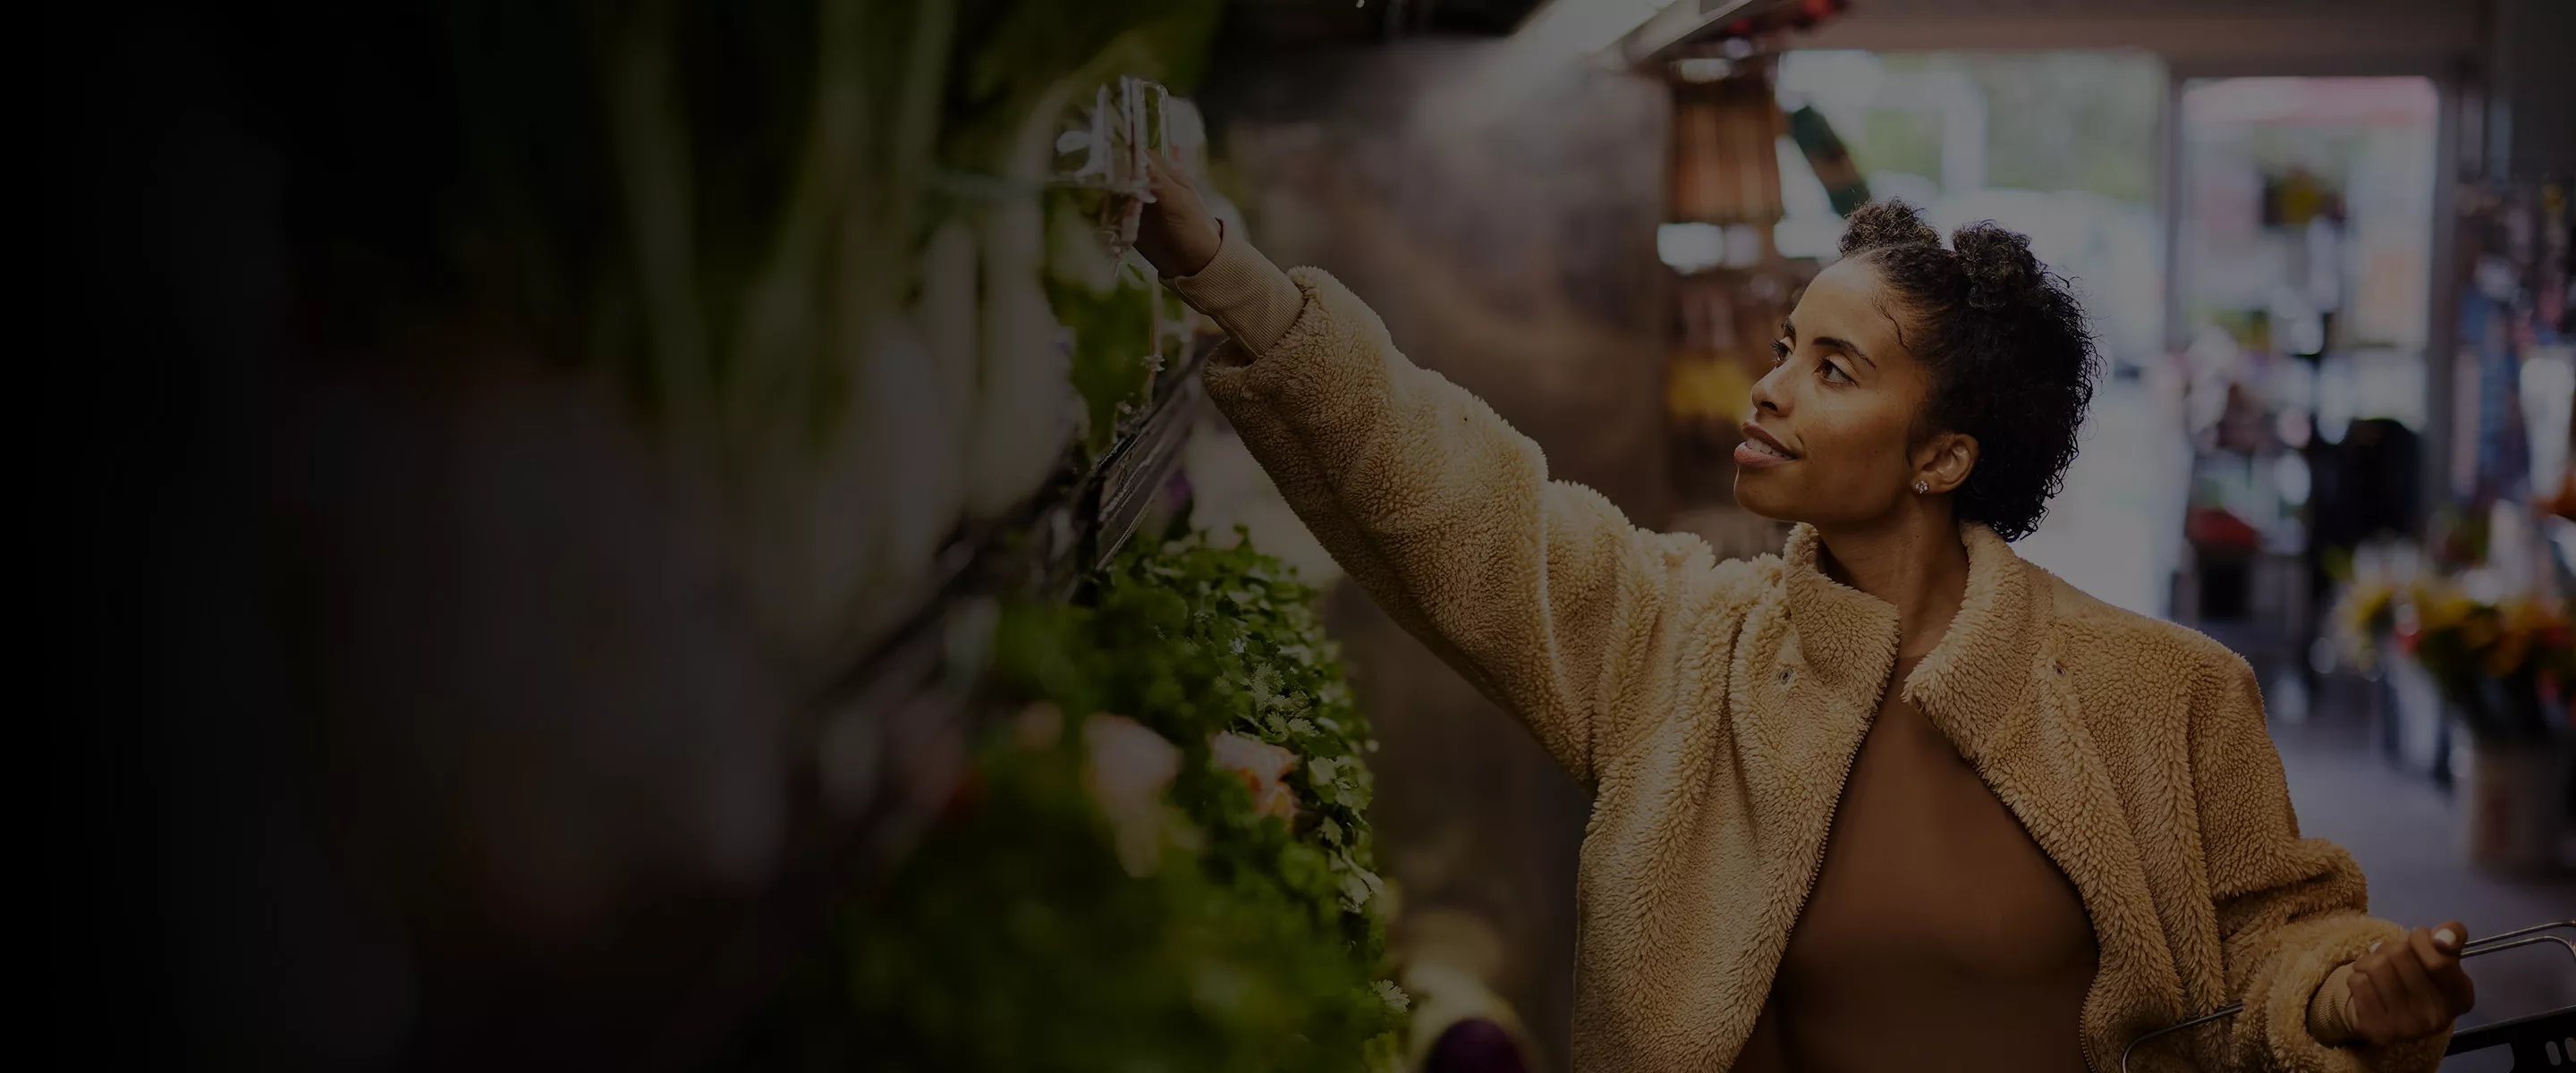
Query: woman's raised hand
{"points": [[1177, 234], [2412, 988]]}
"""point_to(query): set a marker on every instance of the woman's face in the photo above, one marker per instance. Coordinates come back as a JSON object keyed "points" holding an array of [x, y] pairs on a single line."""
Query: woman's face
{"points": [[1832, 439]]}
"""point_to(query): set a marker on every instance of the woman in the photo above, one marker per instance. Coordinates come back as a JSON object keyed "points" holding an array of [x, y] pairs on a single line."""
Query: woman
{"points": [[2054, 825]]}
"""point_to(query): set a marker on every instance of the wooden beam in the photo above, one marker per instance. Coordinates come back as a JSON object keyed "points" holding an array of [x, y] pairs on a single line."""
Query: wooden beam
{"points": [[2417, 41]]}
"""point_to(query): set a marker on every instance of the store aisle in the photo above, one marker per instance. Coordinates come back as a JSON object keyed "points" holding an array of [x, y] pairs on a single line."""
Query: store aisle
{"points": [[2400, 828]]}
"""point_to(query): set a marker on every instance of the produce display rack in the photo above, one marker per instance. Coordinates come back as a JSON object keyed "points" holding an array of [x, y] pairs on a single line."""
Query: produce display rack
{"points": [[1719, 27], [890, 739]]}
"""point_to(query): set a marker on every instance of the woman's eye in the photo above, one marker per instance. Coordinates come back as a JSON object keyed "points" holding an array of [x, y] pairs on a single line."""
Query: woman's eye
{"points": [[1834, 374], [1779, 351]]}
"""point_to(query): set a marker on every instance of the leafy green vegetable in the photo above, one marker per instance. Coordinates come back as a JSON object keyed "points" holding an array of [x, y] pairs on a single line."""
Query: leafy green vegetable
{"points": [[1110, 314], [1014, 940], [1009, 53], [1192, 638], [1112, 367]]}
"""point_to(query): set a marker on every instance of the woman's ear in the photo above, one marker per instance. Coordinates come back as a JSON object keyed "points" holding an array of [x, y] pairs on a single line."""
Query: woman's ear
{"points": [[1944, 461]]}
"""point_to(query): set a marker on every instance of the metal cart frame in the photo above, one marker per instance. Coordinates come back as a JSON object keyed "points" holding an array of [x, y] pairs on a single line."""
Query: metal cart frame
{"points": [[2540, 1042]]}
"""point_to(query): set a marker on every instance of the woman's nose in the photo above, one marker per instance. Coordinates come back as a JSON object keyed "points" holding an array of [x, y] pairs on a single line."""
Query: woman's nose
{"points": [[1766, 398]]}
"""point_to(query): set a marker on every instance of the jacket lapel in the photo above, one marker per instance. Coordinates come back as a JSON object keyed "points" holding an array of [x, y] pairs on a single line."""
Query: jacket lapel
{"points": [[1995, 688], [1831, 665]]}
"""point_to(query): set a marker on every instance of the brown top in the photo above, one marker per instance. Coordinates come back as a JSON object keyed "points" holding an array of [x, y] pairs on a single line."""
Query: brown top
{"points": [[1938, 935]]}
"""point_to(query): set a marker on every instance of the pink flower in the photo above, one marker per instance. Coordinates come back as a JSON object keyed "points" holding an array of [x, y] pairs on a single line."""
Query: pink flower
{"points": [[1130, 767], [1262, 766], [1128, 760], [1038, 726], [1275, 799]]}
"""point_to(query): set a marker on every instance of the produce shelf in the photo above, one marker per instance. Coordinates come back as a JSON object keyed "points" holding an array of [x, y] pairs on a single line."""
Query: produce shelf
{"points": [[1686, 27], [889, 740]]}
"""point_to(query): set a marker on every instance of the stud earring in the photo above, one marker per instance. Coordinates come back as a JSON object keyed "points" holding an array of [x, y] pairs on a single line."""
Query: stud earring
{"points": [[1922, 488]]}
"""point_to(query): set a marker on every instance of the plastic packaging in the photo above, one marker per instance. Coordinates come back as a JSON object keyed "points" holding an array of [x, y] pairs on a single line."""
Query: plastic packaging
{"points": [[1101, 147]]}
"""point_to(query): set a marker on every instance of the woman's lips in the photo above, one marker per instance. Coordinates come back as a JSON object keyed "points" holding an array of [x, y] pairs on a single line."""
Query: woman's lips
{"points": [[1759, 450]]}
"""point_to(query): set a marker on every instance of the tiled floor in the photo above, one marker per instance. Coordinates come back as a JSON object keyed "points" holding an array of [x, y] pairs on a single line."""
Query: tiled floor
{"points": [[2400, 827]]}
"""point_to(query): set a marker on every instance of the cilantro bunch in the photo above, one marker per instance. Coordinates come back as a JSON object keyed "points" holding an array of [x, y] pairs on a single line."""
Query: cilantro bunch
{"points": [[1013, 938]]}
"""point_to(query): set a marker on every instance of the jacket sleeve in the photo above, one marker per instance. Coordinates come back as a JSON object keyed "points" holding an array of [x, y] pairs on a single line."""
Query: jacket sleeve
{"points": [[1540, 592], [2291, 911]]}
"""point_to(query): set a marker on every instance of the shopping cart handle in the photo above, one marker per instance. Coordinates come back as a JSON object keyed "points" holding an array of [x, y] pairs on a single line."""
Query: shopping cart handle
{"points": [[2542, 1041], [2538, 1041]]}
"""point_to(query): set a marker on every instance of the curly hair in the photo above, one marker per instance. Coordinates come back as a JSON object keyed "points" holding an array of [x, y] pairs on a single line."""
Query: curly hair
{"points": [[2012, 363]]}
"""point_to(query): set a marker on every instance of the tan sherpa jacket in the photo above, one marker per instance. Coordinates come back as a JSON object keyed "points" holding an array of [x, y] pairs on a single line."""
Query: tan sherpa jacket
{"points": [[1713, 709]]}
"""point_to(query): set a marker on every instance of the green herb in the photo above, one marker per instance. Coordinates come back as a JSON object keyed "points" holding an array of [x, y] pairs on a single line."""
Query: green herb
{"points": [[1009, 55], [1014, 939], [1110, 313]]}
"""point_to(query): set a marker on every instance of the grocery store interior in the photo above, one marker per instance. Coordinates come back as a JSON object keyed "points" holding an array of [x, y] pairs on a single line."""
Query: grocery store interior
{"points": [[2334, 319], [687, 538]]}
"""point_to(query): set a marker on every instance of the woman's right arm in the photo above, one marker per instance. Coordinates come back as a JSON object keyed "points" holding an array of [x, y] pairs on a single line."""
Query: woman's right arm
{"points": [[1539, 591]]}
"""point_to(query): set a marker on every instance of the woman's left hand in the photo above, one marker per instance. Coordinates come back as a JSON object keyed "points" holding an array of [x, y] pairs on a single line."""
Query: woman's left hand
{"points": [[2411, 988]]}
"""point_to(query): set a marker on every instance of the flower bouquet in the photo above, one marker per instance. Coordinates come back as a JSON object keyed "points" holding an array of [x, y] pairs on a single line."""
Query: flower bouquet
{"points": [[2470, 655], [2364, 617], [2505, 663], [2504, 666]]}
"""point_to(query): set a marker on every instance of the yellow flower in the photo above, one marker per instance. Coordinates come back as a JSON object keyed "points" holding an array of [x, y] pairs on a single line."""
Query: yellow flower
{"points": [[2479, 632], [2505, 657], [2362, 615], [2445, 611]]}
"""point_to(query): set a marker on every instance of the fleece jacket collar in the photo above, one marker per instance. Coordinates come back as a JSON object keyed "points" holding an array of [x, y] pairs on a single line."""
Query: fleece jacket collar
{"points": [[1984, 666]]}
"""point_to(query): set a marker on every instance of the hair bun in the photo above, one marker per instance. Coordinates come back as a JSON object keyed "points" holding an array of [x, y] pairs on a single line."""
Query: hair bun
{"points": [[1886, 223], [2001, 271]]}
